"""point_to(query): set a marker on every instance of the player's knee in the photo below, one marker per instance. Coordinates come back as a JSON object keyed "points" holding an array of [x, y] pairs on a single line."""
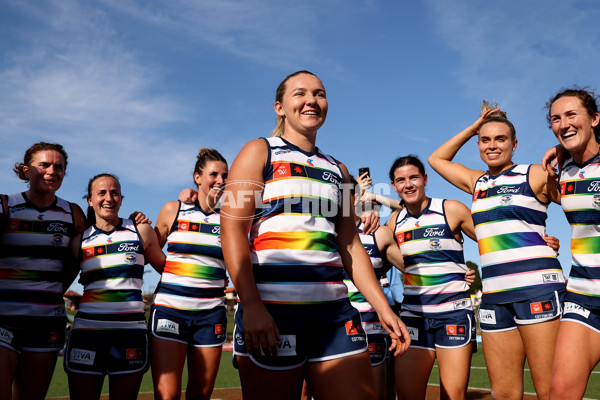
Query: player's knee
{"points": [[507, 393]]}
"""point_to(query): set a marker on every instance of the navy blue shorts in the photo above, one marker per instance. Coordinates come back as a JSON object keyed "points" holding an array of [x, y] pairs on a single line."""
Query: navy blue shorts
{"points": [[431, 333], [378, 339], [589, 317], [34, 335], [308, 334], [207, 328], [506, 316], [112, 352]]}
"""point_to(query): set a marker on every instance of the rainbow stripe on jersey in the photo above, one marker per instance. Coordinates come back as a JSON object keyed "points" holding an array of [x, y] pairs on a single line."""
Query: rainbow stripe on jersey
{"points": [[33, 248], [510, 222], [112, 268], [293, 242], [580, 200], [435, 284], [194, 275]]}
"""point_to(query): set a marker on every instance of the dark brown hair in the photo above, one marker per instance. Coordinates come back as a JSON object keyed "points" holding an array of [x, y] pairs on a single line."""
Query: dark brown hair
{"points": [[588, 99], [30, 153]]}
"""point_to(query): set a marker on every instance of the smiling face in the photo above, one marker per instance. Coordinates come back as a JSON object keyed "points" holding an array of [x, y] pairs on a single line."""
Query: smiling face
{"points": [[304, 104], [496, 146], [211, 181], [574, 127], [105, 198], [410, 184], [46, 171]]}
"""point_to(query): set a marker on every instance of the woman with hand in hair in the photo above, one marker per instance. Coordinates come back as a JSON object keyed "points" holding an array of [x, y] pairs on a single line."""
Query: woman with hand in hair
{"points": [[523, 284], [188, 317]]}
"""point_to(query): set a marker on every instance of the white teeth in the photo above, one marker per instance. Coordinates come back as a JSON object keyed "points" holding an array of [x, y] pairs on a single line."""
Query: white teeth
{"points": [[310, 113], [568, 135]]}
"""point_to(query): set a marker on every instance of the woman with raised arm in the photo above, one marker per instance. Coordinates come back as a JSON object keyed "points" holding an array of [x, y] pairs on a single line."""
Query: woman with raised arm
{"points": [[294, 319], [574, 119], [188, 317], [523, 283], [437, 306], [36, 228], [109, 334]]}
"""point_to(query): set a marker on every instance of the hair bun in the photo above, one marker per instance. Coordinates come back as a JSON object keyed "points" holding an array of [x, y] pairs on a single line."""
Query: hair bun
{"points": [[485, 107]]}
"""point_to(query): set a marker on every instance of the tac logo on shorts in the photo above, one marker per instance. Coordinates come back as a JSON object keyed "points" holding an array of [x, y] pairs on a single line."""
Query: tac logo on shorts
{"points": [[166, 325], [81, 356], [218, 329], [549, 278], [130, 258], [413, 332], [487, 316], [353, 328], [541, 306], [287, 345], [460, 304], [6, 336], [574, 308], [239, 339], [134, 354], [456, 330]]}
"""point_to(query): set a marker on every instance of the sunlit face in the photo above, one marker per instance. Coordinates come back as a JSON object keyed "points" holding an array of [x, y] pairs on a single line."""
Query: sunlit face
{"points": [[46, 171], [304, 104], [572, 125], [212, 180], [410, 184], [106, 199], [495, 145]]}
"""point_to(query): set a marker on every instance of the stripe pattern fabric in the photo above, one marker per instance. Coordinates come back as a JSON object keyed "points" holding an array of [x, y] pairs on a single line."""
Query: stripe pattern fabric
{"points": [[112, 268], [510, 223], [194, 274], [580, 200], [434, 284], [33, 249], [293, 238]]}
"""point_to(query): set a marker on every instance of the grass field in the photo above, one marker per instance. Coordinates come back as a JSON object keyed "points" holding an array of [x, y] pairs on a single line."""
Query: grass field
{"points": [[228, 378]]}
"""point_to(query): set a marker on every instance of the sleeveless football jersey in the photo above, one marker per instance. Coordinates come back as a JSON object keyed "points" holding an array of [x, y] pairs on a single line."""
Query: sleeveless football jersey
{"points": [[33, 249], [510, 222], [293, 239], [580, 199], [194, 274], [112, 268], [434, 263], [380, 267]]}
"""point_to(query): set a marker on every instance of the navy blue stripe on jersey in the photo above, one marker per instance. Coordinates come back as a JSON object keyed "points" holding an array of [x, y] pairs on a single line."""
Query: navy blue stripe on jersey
{"points": [[21, 296], [290, 273], [434, 257], [43, 252], [178, 290], [587, 217], [118, 271], [510, 213], [191, 248]]}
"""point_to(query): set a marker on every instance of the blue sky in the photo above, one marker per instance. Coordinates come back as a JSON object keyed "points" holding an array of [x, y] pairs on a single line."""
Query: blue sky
{"points": [[137, 87]]}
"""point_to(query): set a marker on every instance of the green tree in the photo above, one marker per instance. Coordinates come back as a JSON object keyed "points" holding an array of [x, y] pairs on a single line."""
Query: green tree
{"points": [[477, 285]]}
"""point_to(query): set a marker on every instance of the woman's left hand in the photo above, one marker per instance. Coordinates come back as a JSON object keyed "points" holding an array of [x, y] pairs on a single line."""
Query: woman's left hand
{"points": [[370, 222], [139, 218], [470, 277], [553, 242], [397, 330]]}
